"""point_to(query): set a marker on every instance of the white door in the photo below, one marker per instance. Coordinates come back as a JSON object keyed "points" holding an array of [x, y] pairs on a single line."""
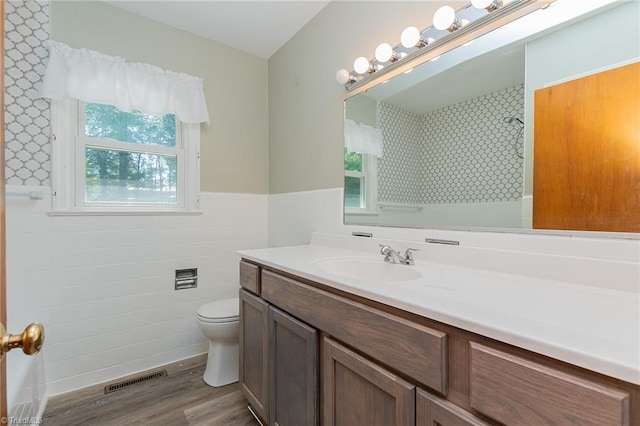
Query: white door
{"points": [[31, 339]]}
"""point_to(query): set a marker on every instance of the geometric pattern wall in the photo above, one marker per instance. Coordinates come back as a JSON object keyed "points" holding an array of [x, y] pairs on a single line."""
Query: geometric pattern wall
{"points": [[469, 152], [400, 168], [27, 117], [463, 153]]}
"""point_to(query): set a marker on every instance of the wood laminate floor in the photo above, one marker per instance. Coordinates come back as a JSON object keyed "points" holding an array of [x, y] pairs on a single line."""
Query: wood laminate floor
{"points": [[180, 399]]}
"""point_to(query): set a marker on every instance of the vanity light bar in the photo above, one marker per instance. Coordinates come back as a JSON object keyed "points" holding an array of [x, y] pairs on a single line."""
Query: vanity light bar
{"points": [[428, 48]]}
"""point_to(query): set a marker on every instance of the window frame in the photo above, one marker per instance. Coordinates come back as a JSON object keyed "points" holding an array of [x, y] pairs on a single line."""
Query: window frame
{"points": [[369, 175], [68, 177]]}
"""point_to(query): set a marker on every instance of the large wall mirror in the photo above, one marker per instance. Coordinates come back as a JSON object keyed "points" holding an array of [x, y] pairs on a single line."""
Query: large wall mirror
{"points": [[456, 136]]}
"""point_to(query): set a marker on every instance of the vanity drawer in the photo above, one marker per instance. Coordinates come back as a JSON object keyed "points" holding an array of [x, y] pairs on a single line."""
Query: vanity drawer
{"points": [[516, 391], [434, 411], [409, 348], [250, 277]]}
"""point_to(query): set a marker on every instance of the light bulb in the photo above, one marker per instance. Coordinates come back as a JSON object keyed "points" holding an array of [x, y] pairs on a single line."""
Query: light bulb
{"points": [[362, 65], [410, 37], [445, 19], [489, 5], [384, 53], [343, 77]]}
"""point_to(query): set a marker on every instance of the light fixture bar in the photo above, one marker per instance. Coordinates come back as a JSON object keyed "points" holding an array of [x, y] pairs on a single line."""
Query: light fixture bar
{"points": [[502, 16]]}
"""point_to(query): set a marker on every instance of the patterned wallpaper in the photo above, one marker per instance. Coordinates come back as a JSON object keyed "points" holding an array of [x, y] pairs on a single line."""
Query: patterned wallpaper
{"points": [[467, 154], [27, 151], [400, 169]]}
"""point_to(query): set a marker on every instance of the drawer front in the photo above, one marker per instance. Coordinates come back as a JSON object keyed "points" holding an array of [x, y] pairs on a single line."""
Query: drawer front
{"points": [[415, 350], [250, 277], [516, 391], [434, 411]]}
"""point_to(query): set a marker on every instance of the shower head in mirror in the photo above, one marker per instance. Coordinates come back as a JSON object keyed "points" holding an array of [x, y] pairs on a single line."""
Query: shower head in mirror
{"points": [[513, 119]]}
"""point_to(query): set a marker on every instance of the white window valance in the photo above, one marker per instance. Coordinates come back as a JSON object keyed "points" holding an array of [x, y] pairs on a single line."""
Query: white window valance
{"points": [[90, 76], [362, 139]]}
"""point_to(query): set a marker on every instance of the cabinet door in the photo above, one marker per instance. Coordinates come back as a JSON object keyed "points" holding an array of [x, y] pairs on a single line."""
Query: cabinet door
{"points": [[357, 391], [254, 352], [293, 371], [434, 411]]}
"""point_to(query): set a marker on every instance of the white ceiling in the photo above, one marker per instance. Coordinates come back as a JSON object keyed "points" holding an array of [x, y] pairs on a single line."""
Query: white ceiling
{"points": [[259, 27]]}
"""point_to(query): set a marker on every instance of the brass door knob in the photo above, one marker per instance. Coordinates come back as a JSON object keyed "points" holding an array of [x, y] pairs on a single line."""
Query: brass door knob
{"points": [[30, 340]]}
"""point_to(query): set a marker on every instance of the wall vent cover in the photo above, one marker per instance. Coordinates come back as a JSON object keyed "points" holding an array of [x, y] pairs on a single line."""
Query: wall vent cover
{"points": [[134, 381]]}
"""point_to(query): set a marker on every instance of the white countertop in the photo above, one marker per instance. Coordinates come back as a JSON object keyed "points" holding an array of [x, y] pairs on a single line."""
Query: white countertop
{"points": [[595, 328]]}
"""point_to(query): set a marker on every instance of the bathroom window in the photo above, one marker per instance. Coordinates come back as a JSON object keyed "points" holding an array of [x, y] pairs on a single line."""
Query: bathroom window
{"points": [[360, 183], [123, 161]]}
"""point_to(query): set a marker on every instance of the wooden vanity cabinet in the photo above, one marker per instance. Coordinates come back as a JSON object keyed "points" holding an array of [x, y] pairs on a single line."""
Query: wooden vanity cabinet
{"points": [[253, 374], [356, 391], [434, 411], [411, 349], [337, 359], [293, 371], [250, 277], [278, 363], [521, 392]]}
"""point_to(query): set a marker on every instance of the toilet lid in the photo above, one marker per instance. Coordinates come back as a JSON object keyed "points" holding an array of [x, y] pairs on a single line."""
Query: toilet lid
{"points": [[220, 309]]}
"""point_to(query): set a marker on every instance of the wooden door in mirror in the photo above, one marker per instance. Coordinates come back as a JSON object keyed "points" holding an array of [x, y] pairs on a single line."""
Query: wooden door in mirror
{"points": [[587, 153]]}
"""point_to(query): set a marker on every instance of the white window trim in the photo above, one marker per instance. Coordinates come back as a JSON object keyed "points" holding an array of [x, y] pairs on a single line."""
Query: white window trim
{"points": [[370, 174], [68, 168]]}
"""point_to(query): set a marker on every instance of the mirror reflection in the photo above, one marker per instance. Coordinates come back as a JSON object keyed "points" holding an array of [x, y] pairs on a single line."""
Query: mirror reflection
{"points": [[451, 143]]}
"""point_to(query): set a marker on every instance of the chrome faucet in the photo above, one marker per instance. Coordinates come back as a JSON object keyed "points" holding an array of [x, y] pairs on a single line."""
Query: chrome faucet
{"points": [[392, 256]]}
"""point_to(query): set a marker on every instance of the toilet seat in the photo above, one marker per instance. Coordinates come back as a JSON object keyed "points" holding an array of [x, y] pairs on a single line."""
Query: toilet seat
{"points": [[220, 311]]}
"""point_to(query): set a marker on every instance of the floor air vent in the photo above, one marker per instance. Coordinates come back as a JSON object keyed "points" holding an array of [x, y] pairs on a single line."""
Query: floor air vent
{"points": [[134, 381]]}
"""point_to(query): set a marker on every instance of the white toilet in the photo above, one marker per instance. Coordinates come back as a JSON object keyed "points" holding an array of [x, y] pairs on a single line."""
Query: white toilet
{"points": [[219, 322]]}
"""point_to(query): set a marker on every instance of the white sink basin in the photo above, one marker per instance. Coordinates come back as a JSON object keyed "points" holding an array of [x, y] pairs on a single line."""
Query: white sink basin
{"points": [[370, 270]]}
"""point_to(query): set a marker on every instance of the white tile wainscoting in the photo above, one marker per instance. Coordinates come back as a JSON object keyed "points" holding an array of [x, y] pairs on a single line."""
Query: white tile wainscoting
{"points": [[293, 216], [104, 285]]}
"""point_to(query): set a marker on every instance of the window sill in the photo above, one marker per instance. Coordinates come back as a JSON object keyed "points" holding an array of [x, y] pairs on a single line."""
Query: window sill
{"points": [[361, 213], [125, 213]]}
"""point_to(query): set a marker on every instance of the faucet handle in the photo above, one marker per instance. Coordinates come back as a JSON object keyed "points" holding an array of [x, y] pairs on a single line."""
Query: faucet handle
{"points": [[390, 255], [408, 255]]}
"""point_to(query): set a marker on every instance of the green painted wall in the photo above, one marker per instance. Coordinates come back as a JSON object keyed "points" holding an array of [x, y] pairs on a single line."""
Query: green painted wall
{"points": [[306, 109], [234, 145]]}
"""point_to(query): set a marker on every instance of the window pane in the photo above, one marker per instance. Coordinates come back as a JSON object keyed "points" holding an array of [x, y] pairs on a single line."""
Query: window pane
{"points": [[114, 176], [352, 161], [354, 192], [107, 121]]}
